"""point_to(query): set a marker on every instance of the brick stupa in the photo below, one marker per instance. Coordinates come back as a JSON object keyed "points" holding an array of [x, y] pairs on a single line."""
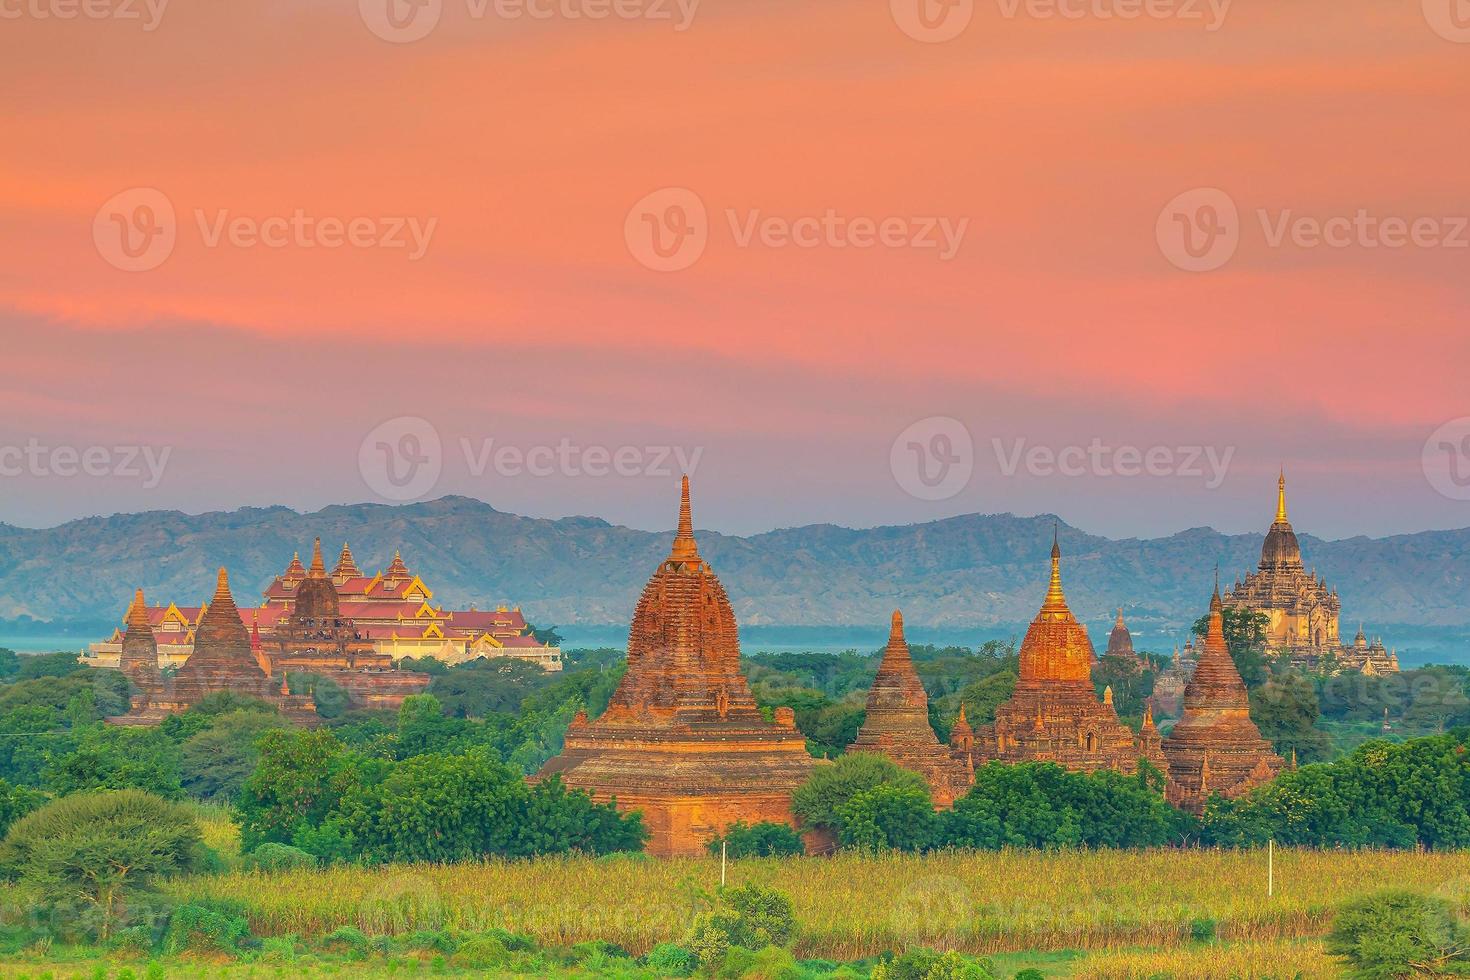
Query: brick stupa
{"points": [[224, 659], [139, 657], [682, 739], [897, 725], [1054, 714], [1215, 748]]}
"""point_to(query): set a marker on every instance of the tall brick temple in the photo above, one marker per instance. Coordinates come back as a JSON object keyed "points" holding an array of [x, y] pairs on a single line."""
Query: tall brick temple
{"points": [[1215, 747], [682, 739], [897, 725]]}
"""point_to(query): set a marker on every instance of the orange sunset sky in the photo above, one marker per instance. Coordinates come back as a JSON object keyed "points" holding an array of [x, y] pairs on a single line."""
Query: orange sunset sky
{"points": [[1058, 136]]}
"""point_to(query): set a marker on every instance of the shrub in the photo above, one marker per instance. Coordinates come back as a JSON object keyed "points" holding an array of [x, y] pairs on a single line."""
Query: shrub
{"points": [[1396, 934], [755, 917], [133, 939], [201, 928], [926, 964], [347, 939], [271, 856], [670, 960], [1203, 930], [770, 963], [278, 949], [481, 952], [763, 839]]}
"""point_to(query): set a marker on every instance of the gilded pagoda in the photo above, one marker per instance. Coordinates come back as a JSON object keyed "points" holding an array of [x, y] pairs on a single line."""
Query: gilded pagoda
{"points": [[1054, 714], [1302, 610]]}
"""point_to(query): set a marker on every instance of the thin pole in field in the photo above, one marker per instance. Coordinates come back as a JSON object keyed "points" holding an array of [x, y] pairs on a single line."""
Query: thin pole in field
{"points": [[723, 845], [1270, 867]]}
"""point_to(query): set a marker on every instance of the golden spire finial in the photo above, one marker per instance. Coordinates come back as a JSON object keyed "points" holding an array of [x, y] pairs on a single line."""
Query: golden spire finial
{"points": [[1281, 497], [895, 627], [318, 567], [684, 547], [1108, 694], [1120, 616], [961, 718], [1056, 600]]}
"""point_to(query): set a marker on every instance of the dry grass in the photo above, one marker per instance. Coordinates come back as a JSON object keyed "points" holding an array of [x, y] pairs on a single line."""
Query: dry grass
{"points": [[1257, 961], [849, 906]]}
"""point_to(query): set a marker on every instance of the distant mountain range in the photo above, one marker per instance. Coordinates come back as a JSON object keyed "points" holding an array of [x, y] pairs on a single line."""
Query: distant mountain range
{"points": [[977, 572]]}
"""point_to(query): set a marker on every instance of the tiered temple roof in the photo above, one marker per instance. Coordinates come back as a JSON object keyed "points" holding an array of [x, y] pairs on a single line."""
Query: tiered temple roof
{"points": [[897, 725], [1054, 714], [682, 739], [1215, 747]]}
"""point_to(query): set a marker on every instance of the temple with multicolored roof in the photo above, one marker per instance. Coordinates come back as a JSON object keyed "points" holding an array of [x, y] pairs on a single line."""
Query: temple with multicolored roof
{"points": [[392, 610]]}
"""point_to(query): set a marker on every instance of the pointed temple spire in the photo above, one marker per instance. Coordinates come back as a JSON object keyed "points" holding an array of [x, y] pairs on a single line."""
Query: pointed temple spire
{"points": [[896, 652], [685, 548], [318, 567], [138, 612], [1281, 498], [222, 589], [1055, 605], [346, 565]]}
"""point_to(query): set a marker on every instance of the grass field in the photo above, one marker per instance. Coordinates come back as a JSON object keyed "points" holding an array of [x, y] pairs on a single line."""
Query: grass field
{"points": [[851, 907]]}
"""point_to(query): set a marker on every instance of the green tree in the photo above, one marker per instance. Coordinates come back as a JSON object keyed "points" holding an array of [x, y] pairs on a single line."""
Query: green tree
{"points": [[108, 757], [215, 763], [16, 802], [299, 779], [1285, 710], [818, 801], [764, 839], [91, 854], [887, 818], [1044, 805]]}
